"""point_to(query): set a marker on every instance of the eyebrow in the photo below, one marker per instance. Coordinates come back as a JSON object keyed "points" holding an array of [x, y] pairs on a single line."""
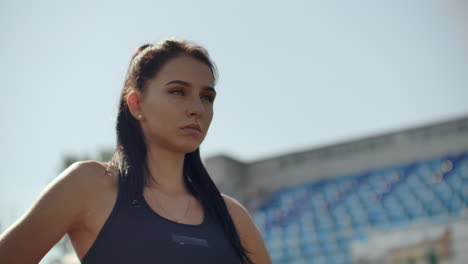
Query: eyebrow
{"points": [[209, 88]]}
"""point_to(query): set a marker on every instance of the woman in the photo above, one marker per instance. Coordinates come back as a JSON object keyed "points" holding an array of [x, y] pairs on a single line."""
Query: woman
{"points": [[154, 202]]}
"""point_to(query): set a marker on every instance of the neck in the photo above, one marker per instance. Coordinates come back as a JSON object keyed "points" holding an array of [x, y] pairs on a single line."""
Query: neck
{"points": [[166, 170]]}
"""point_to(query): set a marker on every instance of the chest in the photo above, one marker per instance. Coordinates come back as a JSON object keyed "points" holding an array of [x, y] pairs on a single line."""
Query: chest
{"points": [[139, 235]]}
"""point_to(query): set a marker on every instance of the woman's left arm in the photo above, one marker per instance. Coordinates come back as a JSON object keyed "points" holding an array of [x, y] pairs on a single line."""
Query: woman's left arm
{"points": [[250, 237]]}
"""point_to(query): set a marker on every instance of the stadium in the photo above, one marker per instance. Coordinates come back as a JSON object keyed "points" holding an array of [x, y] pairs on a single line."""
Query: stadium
{"points": [[398, 197]]}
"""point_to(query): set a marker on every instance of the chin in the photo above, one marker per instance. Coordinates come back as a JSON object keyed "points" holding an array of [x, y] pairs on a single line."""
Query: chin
{"points": [[188, 152], [189, 145], [188, 148]]}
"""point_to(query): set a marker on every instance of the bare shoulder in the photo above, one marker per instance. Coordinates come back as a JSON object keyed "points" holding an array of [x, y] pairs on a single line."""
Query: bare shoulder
{"points": [[248, 232], [96, 182], [88, 179], [85, 174], [93, 175], [234, 206], [58, 209], [77, 188], [93, 171], [239, 214]]}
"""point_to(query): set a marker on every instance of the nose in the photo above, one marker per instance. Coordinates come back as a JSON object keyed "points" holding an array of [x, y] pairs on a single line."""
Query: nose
{"points": [[196, 107]]}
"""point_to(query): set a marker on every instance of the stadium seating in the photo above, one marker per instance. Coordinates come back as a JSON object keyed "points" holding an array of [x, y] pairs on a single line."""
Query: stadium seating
{"points": [[315, 222]]}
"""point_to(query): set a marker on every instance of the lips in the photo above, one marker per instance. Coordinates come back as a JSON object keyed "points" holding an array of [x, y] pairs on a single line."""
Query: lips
{"points": [[193, 126]]}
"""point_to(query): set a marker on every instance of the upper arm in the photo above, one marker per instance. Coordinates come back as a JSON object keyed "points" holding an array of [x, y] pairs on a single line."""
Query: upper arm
{"points": [[250, 237], [58, 207]]}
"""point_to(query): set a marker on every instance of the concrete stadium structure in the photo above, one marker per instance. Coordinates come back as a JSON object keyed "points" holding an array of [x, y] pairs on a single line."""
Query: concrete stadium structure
{"points": [[399, 197], [254, 181]]}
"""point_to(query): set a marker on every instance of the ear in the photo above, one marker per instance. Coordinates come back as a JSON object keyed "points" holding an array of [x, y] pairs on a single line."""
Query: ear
{"points": [[134, 104]]}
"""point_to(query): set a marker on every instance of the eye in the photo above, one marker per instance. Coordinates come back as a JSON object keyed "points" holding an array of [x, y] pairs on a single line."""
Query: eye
{"points": [[177, 92], [210, 98]]}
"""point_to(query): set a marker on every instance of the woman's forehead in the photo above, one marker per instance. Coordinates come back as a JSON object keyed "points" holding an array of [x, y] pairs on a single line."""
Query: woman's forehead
{"points": [[186, 69]]}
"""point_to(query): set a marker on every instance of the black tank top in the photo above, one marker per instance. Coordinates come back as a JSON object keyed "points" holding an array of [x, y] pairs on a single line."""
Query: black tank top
{"points": [[135, 233]]}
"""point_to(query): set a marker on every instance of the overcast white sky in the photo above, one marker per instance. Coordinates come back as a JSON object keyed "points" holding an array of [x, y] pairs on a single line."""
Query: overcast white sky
{"points": [[292, 76]]}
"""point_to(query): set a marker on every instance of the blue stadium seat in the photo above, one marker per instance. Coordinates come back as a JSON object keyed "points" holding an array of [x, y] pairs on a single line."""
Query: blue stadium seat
{"points": [[315, 222]]}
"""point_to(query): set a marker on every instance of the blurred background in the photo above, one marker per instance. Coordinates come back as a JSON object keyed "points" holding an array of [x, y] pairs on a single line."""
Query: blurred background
{"points": [[346, 119]]}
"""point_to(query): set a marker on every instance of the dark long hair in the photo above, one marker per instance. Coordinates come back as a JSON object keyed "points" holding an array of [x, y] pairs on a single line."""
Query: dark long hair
{"points": [[131, 151]]}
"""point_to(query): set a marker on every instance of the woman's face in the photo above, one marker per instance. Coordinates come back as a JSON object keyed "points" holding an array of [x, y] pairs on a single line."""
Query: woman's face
{"points": [[180, 94]]}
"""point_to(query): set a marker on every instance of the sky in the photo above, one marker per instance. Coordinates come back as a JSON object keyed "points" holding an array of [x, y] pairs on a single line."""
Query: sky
{"points": [[293, 75]]}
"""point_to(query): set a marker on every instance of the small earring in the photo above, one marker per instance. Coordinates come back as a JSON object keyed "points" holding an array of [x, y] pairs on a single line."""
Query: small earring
{"points": [[139, 116]]}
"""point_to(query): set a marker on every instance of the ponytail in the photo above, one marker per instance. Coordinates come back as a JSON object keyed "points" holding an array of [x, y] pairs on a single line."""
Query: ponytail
{"points": [[197, 178]]}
